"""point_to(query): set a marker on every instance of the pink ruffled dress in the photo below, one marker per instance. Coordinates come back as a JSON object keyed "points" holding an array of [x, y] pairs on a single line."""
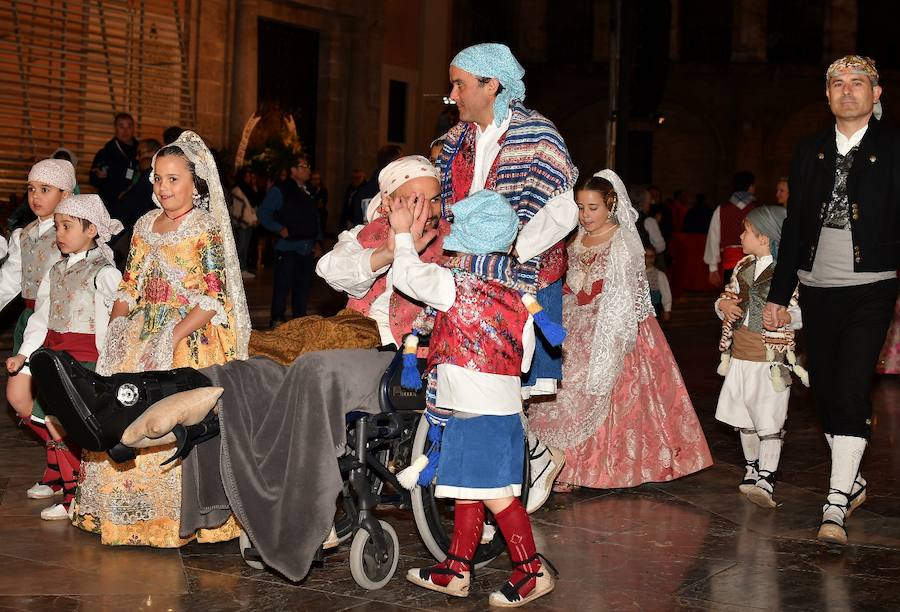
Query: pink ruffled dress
{"points": [[641, 426]]}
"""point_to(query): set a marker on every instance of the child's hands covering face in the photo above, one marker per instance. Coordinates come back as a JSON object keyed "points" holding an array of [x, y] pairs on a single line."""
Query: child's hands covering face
{"points": [[401, 213]]}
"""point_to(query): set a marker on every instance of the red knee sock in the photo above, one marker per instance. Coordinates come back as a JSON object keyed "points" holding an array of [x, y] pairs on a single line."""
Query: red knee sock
{"points": [[51, 475], [468, 522], [516, 528], [68, 456]]}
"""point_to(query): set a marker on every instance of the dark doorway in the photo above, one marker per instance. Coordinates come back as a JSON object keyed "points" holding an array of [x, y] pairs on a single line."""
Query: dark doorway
{"points": [[288, 76]]}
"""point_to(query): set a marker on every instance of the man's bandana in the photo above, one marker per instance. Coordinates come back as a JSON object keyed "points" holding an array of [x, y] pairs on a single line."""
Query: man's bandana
{"points": [[495, 61], [853, 64]]}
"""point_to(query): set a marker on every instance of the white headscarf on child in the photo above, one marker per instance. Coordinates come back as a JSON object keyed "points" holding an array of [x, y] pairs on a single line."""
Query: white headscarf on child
{"points": [[57, 172], [394, 175], [91, 208]]}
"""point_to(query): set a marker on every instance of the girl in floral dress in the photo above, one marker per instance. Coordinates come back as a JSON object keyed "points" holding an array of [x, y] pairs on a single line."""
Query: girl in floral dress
{"points": [[622, 414], [181, 303]]}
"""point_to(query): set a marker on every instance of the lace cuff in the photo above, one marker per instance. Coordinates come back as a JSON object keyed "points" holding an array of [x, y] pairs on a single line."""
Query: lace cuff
{"points": [[124, 296], [204, 302]]}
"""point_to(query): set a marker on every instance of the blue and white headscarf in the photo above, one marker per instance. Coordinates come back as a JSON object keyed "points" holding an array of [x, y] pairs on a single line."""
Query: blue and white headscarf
{"points": [[495, 61], [483, 223]]}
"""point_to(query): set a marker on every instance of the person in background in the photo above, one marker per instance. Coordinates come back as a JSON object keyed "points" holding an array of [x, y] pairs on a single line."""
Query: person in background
{"points": [[782, 192], [723, 241], [319, 193], [114, 169], [660, 293], [349, 217], [136, 202], [289, 211], [243, 218]]}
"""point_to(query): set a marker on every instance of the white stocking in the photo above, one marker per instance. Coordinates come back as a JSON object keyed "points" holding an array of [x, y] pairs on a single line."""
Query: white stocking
{"points": [[860, 482], [846, 455]]}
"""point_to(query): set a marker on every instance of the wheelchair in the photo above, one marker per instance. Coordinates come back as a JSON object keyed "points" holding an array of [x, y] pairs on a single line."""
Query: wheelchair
{"points": [[379, 446]]}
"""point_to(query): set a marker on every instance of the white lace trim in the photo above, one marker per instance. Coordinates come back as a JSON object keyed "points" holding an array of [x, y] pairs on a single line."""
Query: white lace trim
{"points": [[204, 302], [124, 296], [624, 301]]}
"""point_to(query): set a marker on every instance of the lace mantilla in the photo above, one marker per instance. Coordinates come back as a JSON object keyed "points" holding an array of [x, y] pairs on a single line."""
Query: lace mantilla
{"points": [[624, 301], [199, 154]]}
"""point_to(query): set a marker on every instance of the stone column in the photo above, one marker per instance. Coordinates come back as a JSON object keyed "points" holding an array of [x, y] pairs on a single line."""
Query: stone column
{"points": [[244, 69], [749, 29], [841, 24]]}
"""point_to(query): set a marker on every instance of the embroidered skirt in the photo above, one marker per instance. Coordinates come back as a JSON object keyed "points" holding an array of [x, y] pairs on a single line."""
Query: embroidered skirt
{"points": [[482, 457]]}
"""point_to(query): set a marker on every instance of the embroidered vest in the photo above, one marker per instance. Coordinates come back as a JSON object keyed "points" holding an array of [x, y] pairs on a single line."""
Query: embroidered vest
{"points": [[72, 294], [753, 293], [837, 214], [482, 331], [402, 311], [38, 254]]}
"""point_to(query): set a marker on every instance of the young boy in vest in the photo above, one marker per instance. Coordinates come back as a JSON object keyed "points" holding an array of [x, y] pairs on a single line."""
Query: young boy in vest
{"points": [[481, 342], [754, 396], [32, 250], [71, 314]]}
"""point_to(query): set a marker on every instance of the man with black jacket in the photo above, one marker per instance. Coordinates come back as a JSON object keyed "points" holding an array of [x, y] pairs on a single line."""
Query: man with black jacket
{"points": [[115, 169], [289, 211], [841, 240]]}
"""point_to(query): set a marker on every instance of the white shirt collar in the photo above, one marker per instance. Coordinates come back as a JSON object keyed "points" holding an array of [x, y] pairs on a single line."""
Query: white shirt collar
{"points": [[844, 143], [44, 225], [74, 258], [493, 129], [761, 264]]}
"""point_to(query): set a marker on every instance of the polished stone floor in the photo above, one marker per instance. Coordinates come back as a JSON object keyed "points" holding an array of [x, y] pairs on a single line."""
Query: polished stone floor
{"points": [[693, 544]]}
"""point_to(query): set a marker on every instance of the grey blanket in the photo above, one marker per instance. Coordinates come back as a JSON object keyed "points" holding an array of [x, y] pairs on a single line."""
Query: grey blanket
{"points": [[274, 464]]}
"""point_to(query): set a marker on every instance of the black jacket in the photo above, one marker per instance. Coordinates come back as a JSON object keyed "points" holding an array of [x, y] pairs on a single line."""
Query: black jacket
{"points": [[873, 190], [117, 159], [298, 211]]}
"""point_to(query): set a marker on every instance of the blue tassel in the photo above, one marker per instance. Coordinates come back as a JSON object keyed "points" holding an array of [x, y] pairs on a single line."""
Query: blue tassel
{"points": [[409, 376], [552, 331], [435, 433]]}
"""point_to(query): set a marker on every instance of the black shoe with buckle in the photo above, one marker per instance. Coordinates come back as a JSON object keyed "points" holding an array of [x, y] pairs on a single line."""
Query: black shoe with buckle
{"points": [[95, 410]]}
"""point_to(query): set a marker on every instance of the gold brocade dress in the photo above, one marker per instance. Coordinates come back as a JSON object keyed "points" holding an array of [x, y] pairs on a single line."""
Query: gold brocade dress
{"points": [[167, 275]]}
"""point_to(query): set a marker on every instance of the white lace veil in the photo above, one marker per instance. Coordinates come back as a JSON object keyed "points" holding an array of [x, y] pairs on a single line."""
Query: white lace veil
{"points": [[196, 151], [624, 301]]}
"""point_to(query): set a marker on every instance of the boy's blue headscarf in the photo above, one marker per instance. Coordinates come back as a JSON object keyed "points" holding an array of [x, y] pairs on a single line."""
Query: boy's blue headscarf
{"points": [[768, 221], [495, 61], [483, 223]]}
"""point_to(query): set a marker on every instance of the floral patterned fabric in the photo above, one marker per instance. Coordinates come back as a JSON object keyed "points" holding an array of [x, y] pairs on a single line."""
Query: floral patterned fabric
{"points": [[167, 275], [645, 430], [482, 331]]}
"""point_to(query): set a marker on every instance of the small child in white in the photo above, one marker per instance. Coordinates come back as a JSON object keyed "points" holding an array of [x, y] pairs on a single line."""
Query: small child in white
{"points": [[660, 293], [755, 361], [32, 250], [71, 314]]}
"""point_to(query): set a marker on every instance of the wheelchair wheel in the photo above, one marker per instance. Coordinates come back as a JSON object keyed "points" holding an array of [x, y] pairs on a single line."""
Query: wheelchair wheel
{"points": [[366, 569], [434, 515]]}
